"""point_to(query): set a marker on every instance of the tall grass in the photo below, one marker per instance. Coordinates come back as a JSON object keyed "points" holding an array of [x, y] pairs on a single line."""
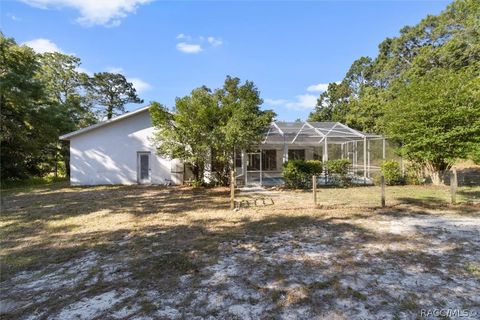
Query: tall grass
{"points": [[30, 182]]}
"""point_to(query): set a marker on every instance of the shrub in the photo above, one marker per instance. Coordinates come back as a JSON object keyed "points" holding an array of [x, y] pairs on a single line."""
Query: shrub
{"points": [[339, 166], [298, 173], [338, 170], [414, 174], [197, 183], [391, 171]]}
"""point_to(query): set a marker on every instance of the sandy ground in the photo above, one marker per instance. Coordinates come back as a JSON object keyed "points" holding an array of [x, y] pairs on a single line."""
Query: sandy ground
{"points": [[381, 266]]}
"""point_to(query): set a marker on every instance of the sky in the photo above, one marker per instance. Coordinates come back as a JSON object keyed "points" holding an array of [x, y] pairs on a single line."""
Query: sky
{"points": [[291, 50]]}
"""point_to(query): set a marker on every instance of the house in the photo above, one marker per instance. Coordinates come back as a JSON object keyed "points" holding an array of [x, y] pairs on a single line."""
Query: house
{"points": [[120, 151]]}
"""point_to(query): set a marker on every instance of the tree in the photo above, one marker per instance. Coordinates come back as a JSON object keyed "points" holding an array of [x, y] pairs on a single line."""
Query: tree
{"points": [[209, 126], [241, 123], [331, 103], [378, 95], [64, 89], [24, 118], [450, 40], [436, 118], [112, 91], [341, 101], [43, 96], [186, 132]]}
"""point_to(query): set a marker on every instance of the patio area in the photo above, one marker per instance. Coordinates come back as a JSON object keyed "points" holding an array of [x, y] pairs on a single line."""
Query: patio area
{"points": [[322, 141]]}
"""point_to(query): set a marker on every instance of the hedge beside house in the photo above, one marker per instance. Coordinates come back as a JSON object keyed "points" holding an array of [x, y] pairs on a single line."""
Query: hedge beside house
{"points": [[298, 173]]}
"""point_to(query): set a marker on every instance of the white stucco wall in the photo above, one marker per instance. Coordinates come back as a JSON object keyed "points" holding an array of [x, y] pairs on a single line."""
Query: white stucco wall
{"points": [[108, 154]]}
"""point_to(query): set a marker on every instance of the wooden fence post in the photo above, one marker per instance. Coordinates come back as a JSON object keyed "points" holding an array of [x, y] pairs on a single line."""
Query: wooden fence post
{"points": [[314, 186], [453, 186], [382, 188], [232, 189]]}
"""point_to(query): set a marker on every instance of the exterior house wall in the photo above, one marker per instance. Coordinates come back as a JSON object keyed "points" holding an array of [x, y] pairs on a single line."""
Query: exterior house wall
{"points": [[109, 155]]}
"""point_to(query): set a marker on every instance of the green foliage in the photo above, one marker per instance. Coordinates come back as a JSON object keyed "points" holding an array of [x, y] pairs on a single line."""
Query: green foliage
{"points": [[197, 183], [337, 171], [298, 173], [241, 122], [113, 91], [338, 166], [30, 182], [24, 117], [68, 108], [422, 90], [440, 118], [43, 96], [392, 173], [186, 132], [414, 174], [207, 123]]}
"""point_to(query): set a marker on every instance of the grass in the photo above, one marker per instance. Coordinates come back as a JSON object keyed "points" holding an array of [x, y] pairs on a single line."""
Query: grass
{"points": [[64, 221], [430, 196], [473, 268], [163, 233], [31, 182]]}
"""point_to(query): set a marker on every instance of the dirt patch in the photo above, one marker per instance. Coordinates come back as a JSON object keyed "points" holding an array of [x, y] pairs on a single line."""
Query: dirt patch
{"points": [[111, 258]]}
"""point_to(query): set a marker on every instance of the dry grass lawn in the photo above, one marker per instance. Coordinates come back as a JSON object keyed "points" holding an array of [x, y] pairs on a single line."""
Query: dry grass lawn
{"points": [[116, 252]]}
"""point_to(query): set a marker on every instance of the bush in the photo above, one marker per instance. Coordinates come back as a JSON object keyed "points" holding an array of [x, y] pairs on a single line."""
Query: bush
{"points": [[298, 173], [392, 173], [338, 170], [197, 183], [339, 166], [414, 174]]}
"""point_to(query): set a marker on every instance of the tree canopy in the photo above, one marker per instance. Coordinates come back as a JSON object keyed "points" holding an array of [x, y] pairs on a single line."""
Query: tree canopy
{"points": [[209, 125], [395, 92], [22, 113], [43, 96], [112, 91]]}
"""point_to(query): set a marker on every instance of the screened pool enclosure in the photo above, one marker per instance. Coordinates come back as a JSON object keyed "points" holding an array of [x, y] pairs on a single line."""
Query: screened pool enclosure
{"points": [[323, 141]]}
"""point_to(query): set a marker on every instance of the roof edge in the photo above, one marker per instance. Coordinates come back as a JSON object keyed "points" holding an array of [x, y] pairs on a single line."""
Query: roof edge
{"points": [[67, 136]]}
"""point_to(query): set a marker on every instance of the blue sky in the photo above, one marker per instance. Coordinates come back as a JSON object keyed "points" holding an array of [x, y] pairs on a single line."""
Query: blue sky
{"points": [[291, 50]]}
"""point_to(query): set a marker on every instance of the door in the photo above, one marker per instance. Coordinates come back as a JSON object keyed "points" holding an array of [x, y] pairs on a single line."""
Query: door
{"points": [[254, 168], [143, 168]]}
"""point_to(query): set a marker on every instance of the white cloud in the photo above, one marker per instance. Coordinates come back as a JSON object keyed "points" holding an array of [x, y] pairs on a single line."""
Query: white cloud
{"points": [[189, 47], [139, 84], [321, 87], [318, 87], [183, 36], [82, 69], [13, 17], [94, 12], [214, 41], [189, 44], [42, 45], [301, 102], [275, 102], [115, 70]]}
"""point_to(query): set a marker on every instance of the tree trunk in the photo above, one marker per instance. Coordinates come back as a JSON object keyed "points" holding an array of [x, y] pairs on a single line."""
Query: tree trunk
{"points": [[437, 177], [109, 112], [436, 173], [196, 171]]}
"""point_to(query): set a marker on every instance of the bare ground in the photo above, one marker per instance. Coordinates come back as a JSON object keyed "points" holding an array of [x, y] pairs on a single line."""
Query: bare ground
{"points": [[179, 253]]}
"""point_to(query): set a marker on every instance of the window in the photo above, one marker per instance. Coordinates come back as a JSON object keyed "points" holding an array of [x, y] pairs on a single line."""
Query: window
{"points": [[269, 160], [296, 154], [238, 159]]}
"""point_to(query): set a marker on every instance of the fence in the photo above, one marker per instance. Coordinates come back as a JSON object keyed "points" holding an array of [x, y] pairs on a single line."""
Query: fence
{"points": [[382, 195]]}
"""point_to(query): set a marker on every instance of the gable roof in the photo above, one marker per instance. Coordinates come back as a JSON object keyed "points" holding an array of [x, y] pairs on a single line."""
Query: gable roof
{"points": [[70, 135], [313, 132]]}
